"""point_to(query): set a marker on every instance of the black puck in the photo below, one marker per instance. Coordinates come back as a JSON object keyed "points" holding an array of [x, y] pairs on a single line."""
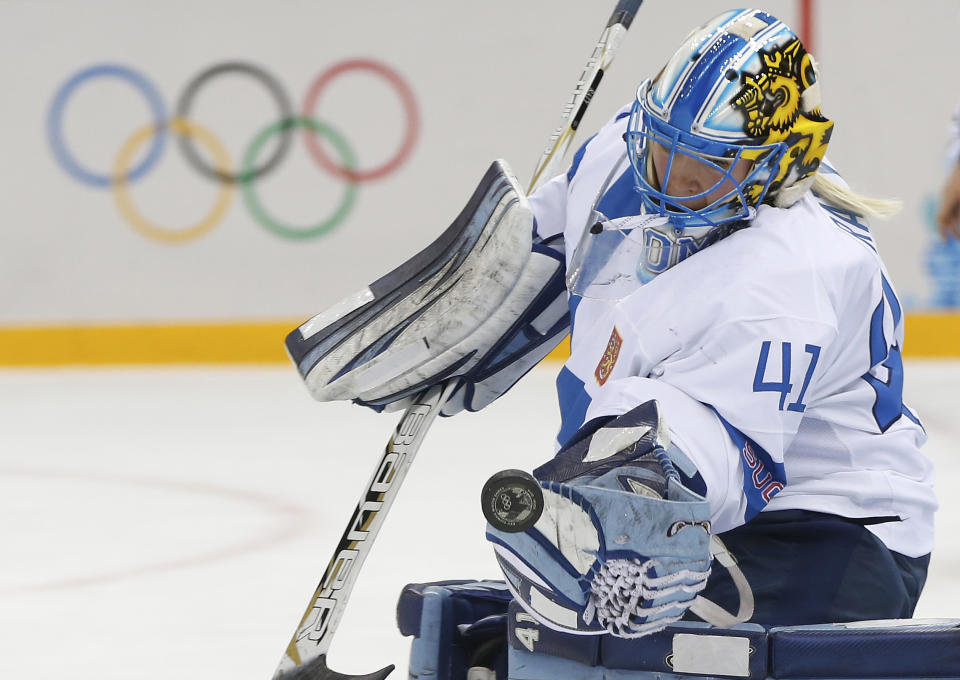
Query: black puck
{"points": [[512, 501]]}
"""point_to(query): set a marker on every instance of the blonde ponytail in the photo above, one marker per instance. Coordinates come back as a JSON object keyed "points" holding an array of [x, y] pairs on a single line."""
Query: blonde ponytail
{"points": [[844, 197]]}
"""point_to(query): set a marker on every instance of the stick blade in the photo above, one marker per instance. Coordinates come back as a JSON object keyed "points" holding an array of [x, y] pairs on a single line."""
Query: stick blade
{"points": [[317, 669]]}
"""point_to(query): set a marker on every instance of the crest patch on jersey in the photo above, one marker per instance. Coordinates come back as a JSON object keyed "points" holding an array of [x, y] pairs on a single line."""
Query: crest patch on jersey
{"points": [[609, 359]]}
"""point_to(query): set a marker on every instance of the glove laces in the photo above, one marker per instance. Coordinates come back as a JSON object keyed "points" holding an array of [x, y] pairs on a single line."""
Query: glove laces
{"points": [[621, 588]]}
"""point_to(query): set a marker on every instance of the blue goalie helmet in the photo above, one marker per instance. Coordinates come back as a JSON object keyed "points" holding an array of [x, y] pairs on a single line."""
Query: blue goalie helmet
{"points": [[731, 121]]}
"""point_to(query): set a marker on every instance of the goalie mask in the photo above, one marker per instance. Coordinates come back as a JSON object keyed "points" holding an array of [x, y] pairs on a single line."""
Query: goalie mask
{"points": [[731, 122]]}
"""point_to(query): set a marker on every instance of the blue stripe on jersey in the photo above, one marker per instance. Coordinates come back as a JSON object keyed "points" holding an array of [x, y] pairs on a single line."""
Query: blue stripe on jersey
{"points": [[888, 387], [577, 157], [762, 477], [622, 198], [888, 406], [892, 297], [850, 222], [910, 415], [574, 402], [878, 343], [574, 302]]}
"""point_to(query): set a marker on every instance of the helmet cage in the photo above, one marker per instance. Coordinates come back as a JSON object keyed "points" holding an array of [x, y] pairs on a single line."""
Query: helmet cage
{"points": [[720, 158]]}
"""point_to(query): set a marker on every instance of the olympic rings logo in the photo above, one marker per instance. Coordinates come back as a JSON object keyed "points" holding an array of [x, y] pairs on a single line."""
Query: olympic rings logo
{"points": [[191, 134]]}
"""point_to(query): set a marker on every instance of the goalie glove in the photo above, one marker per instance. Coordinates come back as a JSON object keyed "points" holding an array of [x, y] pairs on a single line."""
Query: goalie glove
{"points": [[620, 546], [482, 304]]}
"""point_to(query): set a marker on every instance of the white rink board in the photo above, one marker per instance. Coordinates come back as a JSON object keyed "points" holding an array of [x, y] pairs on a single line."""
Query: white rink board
{"points": [[163, 524], [489, 80]]}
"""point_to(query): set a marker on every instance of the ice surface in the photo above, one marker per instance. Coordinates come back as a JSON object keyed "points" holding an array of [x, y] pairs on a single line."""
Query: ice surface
{"points": [[173, 523]]}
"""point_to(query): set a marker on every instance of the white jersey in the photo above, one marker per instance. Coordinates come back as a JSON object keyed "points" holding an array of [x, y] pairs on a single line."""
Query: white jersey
{"points": [[775, 354]]}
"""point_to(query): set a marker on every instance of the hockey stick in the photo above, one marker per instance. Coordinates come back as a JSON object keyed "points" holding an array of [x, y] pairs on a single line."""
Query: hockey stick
{"points": [[305, 657], [597, 64]]}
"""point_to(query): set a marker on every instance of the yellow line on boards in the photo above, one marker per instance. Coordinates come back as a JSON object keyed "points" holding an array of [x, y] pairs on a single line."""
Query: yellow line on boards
{"points": [[932, 335], [561, 351], [927, 335], [207, 343]]}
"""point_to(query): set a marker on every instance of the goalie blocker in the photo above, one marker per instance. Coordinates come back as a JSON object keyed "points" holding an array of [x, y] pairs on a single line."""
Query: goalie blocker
{"points": [[482, 304]]}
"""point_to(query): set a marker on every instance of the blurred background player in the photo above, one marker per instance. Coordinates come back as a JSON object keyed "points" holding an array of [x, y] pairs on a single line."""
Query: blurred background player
{"points": [[718, 265], [942, 258], [948, 217]]}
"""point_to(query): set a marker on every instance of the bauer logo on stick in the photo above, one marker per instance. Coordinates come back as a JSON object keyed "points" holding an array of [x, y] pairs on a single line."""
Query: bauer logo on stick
{"points": [[610, 356]]}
